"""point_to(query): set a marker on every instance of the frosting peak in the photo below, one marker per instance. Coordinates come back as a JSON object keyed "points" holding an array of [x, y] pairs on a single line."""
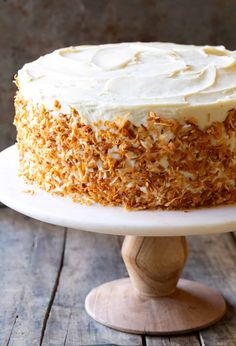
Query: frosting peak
{"points": [[106, 81]]}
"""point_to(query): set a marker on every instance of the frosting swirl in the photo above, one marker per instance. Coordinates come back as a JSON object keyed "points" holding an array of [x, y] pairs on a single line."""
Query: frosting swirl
{"points": [[132, 79]]}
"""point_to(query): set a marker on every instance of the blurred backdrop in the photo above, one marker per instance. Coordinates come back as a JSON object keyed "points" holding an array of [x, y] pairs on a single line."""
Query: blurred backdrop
{"points": [[30, 28]]}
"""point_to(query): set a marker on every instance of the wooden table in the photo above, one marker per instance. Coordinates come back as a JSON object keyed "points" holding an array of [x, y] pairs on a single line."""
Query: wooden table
{"points": [[46, 272]]}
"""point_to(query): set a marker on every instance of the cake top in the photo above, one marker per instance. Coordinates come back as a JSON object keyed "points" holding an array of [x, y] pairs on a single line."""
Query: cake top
{"points": [[133, 79]]}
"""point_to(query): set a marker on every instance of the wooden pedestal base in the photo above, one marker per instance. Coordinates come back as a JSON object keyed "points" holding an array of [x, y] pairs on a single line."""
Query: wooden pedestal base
{"points": [[192, 306], [151, 301]]}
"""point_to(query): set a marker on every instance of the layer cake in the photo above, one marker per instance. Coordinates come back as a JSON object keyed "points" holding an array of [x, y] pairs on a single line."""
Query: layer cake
{"points": [[142, 125]]}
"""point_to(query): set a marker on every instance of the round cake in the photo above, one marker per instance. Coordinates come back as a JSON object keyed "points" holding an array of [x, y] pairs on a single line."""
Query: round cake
{"points": [[142, 125]]}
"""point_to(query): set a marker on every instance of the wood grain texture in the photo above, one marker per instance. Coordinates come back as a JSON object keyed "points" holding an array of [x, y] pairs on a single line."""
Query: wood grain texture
{"points": [[154, 264], [212, 261], [90, 259], [148, 302], [30, 256], [187, 340], [192, 306]]}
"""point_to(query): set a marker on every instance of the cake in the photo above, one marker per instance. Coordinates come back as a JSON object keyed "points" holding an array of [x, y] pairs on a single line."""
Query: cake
{"points": [[138, 125]]}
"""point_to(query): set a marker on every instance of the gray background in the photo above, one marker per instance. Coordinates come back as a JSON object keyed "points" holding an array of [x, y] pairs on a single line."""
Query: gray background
{"points": [[29, 29]]}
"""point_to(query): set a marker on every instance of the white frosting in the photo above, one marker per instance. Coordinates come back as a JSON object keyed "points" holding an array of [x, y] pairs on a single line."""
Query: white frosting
{"points": [[133, 79]]}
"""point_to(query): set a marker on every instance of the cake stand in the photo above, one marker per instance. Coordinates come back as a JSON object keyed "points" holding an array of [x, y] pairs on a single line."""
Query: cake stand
{"points": [[153, 300]]}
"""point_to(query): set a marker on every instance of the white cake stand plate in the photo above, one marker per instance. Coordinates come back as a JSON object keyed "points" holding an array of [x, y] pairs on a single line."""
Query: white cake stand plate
{"points": [[154, 300]]}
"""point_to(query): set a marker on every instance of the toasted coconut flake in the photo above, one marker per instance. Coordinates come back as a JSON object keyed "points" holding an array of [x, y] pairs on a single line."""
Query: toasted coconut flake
{"points": [[165, 164], [29, 191]]}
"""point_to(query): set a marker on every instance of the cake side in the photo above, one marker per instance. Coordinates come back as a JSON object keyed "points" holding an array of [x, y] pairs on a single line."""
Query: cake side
{"points": [[165, 163]]}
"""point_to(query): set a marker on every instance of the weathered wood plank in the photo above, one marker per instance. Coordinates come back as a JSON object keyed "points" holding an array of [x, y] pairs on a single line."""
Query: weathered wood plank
{"points": [[90, 259], [187, 340], [30, 260], [30, 256], [212, 260]]}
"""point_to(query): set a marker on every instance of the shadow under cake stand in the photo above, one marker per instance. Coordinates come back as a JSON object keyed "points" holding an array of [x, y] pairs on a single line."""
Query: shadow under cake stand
{"points": [[153, 300]]}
